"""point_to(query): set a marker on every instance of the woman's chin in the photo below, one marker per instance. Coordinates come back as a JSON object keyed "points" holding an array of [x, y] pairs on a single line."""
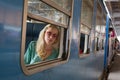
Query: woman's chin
{"points": [[49, 43]]}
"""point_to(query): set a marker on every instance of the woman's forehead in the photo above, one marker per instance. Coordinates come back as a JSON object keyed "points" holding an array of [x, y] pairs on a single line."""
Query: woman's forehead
{"points": [[54, 30]]}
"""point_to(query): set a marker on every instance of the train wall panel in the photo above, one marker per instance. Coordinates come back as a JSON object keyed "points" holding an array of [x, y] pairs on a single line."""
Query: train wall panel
{"points": [[76, 68]]}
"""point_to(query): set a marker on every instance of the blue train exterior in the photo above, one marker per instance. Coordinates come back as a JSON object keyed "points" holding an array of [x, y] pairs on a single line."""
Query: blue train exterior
{"points": [[11, 24]]}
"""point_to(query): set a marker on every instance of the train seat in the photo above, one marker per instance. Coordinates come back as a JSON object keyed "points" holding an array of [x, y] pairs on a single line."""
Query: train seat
{"points": [[32, 31]]}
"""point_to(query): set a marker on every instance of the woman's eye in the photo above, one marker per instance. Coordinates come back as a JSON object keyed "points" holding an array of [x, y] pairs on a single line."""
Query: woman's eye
{"points": [[54, 35], [49, 33]]}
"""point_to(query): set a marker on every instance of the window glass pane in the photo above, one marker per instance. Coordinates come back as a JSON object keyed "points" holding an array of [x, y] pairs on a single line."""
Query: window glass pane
{"points": [[103, 24], [97, 34], [98, 28], [96, 44], [103, 29], [98, 18], [84, 29], [41, 9], [87, 12], [84, 43], [66, 4]]}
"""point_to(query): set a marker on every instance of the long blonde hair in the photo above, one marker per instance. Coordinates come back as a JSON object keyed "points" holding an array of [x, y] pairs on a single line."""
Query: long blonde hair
{"points": [[40, 46]]}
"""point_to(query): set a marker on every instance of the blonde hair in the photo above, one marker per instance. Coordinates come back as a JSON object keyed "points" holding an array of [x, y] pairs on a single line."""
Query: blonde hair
{"points": [[40, 46]]}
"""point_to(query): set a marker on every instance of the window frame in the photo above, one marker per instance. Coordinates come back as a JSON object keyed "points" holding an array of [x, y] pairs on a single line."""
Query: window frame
{"points": [[34, 68]]}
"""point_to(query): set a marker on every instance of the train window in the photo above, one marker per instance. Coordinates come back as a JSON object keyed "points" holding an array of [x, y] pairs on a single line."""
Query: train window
{"points": [[37, 35], [98, 27], [85, 27], [84, 41], [103, 30], [45, 39], [96, 44], [97, 40]]}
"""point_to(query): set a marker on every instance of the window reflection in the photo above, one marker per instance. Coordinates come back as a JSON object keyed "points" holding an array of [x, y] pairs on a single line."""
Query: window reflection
{"points": [[66, 4], [84, 29], [41, 9]]}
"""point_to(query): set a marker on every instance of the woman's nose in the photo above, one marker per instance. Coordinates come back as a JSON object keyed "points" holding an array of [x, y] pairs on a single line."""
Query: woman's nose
{"points": [[51, 36]]}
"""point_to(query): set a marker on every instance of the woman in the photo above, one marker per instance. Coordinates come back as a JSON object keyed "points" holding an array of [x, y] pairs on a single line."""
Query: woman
{"points": [[45, 48]]}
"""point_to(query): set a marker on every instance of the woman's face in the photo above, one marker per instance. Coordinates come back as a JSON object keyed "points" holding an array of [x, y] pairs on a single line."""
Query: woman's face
{"points": [[51, 35]]}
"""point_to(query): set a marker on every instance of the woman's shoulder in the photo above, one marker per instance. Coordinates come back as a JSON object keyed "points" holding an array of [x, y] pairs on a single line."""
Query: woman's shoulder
{"points": [[32, 44]]}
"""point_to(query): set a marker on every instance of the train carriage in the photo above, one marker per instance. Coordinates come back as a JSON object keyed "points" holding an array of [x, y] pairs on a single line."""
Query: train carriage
{"points": [[82, 49]]}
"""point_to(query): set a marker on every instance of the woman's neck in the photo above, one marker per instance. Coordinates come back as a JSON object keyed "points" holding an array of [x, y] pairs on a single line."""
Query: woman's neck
{"points": [[48, 47]]}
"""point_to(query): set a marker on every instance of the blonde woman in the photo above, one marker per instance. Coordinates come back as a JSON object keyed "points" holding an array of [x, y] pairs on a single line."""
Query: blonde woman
{"points": [[45, 48]]}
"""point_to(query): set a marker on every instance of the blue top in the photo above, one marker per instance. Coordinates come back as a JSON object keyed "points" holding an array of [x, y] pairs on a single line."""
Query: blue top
{"points": [[31, 55]]}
